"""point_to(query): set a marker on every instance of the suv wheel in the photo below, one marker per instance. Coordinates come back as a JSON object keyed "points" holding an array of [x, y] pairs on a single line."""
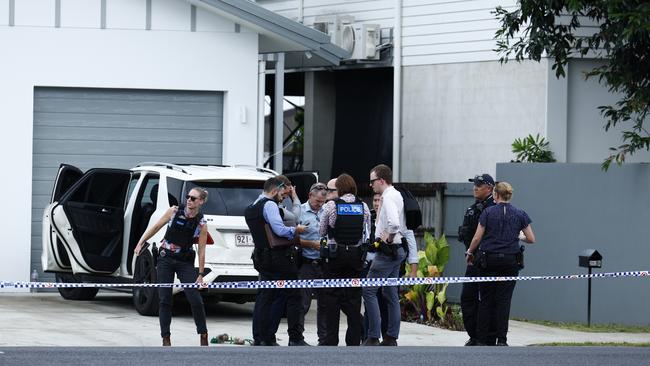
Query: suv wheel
{"points": [[72, 293], [145, 299]]}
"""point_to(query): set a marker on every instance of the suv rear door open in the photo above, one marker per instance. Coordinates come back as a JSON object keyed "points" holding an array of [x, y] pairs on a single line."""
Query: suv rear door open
{"points": [[89, 220], [54, 257]]}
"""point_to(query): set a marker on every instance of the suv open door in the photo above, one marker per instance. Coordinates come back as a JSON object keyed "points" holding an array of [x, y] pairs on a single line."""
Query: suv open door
{"points": [[302, 181], [89, 220], [54, 257]]}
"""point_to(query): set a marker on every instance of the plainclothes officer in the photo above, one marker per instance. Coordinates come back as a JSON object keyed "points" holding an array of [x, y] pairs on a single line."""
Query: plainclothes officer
{"points": [[498, 233], [469, 297], [332, 193], [176, 257], [312, 265], [290, 209], [273, 263], [391, 223], [376, 203], [346, 222]]}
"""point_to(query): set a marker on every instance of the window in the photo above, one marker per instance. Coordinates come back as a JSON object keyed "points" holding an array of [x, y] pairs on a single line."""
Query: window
{"points": [[132, 184], [103, 188], [228, 198], [174, 191]]}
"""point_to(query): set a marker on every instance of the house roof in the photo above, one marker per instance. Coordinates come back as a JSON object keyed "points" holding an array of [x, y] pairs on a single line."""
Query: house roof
{"points": [[277, 33]]}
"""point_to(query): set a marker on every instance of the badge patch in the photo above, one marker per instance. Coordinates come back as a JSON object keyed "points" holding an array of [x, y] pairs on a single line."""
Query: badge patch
{"points": [[350, 209]]}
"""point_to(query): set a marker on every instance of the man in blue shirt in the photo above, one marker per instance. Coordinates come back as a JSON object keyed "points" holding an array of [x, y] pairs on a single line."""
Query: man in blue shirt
{"points": [[312, 266], [273, 263]]}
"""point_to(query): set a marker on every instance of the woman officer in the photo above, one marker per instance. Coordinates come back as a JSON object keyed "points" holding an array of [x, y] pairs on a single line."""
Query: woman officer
{"points": [[176, 257], [498, 233], [346, 223]]}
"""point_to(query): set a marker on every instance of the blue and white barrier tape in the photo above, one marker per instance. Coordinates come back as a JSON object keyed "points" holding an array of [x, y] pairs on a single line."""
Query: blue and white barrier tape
{"points": [[325, 283]]}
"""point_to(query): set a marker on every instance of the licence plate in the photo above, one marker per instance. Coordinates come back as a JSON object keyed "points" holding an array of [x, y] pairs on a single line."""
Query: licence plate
{"points": [[244, 240]]}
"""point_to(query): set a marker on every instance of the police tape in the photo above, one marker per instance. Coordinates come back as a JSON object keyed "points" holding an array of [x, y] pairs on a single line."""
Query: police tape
{"points": [[324, 283]]}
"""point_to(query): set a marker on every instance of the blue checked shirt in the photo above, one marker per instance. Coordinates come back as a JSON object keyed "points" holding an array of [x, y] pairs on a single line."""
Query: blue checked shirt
{"points": [[308, 216]]}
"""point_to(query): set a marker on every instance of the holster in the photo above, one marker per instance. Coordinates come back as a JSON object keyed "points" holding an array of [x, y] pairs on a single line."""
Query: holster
{"points": [[388, 250], [463, 232], [154, 254], [520, 259]]}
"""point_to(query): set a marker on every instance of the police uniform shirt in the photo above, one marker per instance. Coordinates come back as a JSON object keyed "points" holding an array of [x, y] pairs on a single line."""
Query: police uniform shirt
{"points": [[472, 214], [391, 218], [502, 223], [311, 219], [328, 218]]}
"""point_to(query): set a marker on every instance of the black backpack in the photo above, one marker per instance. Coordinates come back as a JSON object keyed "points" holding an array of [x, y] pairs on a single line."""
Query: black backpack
{"points": [[411, 209]]}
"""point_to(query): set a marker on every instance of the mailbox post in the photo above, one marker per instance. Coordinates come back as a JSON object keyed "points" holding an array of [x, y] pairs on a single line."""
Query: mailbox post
{"points": [[590, 258]]}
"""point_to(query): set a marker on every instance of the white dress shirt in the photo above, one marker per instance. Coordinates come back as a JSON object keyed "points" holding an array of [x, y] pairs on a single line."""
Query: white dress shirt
{"points": [[391, 219]]}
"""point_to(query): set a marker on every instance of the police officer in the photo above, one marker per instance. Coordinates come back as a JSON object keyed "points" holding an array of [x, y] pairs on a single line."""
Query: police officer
{"points": [[346, 223], [184, 224], [469, 298], [273, 264], [499, 230]]}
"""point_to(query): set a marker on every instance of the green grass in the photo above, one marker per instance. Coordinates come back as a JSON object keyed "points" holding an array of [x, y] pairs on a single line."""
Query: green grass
{"points": [[595, 328], [593, 344]]}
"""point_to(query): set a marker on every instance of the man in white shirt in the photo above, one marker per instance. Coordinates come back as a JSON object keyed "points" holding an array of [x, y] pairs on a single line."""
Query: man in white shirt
{"points": [[391, 223]]}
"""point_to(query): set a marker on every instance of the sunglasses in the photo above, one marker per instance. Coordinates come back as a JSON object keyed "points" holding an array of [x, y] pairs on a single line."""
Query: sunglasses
{"points": [[318, 187], [373, 181], [191, 198]]}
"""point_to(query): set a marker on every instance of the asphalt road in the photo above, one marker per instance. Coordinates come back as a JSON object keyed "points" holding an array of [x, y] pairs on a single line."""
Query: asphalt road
{"points": [[358, 356]]}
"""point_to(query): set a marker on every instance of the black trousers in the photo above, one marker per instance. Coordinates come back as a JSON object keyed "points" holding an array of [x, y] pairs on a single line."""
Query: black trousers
{"points": [[469, 301], [280, 268], [187, 273], [495, 302], [347, 264]]}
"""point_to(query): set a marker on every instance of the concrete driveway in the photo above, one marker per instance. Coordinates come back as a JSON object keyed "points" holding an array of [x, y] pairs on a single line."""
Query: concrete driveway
{"points": [[46, 319]]}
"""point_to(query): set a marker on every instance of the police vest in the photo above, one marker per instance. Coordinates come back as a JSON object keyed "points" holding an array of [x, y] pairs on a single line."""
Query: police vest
{"points": [[348, 228], [470, 220], [182, 228], [254, 215]]}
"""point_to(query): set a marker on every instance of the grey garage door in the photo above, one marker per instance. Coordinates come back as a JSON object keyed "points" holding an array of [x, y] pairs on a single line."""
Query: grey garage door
{"points": [[118, 128]]}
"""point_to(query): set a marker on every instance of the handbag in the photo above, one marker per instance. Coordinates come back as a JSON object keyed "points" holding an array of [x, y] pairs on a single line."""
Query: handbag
{"points": [[278, 241]]}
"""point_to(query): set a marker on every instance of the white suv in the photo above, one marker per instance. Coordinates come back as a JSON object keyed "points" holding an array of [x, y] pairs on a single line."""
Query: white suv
{"points": [[96, 218]]}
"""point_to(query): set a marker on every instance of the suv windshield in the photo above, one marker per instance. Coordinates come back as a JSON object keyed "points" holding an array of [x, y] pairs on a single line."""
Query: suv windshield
{"points": [[228, 197]]}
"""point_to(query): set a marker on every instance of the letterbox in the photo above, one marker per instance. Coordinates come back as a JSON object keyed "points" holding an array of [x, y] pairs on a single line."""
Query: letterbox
{"points": [[590, 258]]}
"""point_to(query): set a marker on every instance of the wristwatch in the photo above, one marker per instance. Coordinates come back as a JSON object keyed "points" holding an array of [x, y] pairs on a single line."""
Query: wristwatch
{"points": [[201, 273], [468, 252]]}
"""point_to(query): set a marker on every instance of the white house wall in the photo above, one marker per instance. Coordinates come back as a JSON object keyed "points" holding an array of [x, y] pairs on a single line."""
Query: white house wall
{"points": [[80, 54], [433, 31], [460, 119], [380, 12]]}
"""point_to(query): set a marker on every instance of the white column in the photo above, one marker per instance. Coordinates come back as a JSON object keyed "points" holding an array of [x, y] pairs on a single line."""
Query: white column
{"points": [[278, 116], [397, 90]]}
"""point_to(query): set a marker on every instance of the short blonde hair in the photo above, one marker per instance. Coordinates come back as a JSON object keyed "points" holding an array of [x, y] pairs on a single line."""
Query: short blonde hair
{"points": [[504, 190]]}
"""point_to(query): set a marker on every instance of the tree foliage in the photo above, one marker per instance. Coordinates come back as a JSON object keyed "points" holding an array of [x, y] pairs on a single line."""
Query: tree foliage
{"points": [[621, 38]]}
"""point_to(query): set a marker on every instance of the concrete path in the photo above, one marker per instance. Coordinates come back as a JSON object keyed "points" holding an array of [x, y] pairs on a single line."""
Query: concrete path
{"points": [[45, 319]]}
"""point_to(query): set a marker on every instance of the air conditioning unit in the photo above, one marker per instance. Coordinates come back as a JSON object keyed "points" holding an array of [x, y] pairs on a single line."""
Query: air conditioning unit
{"points": [[366, 40], [360, 40]]}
